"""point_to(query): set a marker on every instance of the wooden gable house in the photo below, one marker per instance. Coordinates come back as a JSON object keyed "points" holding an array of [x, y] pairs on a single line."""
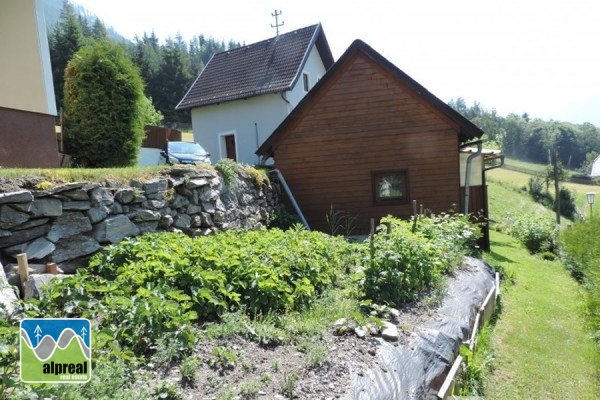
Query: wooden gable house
{"points": [[370, 141]]}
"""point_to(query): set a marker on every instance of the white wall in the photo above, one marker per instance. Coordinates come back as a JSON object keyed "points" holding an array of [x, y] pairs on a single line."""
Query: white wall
{"points": [[243, 118], [315, 69]]}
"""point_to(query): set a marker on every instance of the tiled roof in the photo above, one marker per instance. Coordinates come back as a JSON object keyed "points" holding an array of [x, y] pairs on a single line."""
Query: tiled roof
{"points": [[269, 66]]}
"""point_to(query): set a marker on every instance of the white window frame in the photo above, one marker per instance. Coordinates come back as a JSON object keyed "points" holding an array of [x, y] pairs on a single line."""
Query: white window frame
{"points": [[223, 145], [306, 81]]}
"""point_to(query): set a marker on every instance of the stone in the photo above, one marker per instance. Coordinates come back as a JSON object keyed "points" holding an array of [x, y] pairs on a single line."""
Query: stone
{"points": [[165, 221], [146, 227], [125, 195], [76, 205], [118, 208], [39, 248], [219, 205], [178, 201], [23, 236], [154, 204], [219, 217], [193, 209], [394, 315], [46, 207], [144, 216], [74, 247], [8, 297], [360, 332], [114, 229], [155, 188], [12, 272], [32, 223], [196, 183], [208, 194], [182, 221], [9, 217], [389, 332], [59, 189], [69, 224], [76, 194], [205, 220], [97, 214], [102, 196], [209, 208], [21, 196], [33, 285]]}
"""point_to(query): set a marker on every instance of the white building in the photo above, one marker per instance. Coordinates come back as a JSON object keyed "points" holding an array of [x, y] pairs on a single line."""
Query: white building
{"points": [[243, 94]]}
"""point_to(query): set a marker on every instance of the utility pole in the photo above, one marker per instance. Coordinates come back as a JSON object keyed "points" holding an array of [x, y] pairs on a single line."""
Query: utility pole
{"points": [[276, 14]]}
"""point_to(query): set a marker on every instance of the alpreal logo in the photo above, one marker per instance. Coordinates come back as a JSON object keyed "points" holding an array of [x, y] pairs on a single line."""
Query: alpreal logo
{"points": [[56, 350]]}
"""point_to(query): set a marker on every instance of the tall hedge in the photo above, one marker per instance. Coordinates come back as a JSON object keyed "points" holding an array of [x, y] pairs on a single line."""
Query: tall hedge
{"points": [[103, 101]]}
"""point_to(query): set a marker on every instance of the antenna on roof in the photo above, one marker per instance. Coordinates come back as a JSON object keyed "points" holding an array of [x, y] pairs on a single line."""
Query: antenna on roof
{"points": [[276, 14]]}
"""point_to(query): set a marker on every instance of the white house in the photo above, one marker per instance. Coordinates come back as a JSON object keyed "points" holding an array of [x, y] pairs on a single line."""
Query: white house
{"points": [[27, 105], [243, 94]]}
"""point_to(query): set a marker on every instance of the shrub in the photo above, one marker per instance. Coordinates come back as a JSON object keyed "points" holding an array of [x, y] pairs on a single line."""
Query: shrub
{"points": [[161, 283], [537, 233], [582, 257], [413, 255], [104, 107]]}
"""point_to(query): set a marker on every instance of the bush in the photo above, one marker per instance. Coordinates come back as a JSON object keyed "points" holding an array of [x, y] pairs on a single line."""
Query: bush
{"points": [[161, 283], [104, 107], [537, 233], [413, 255], [582, 257]]}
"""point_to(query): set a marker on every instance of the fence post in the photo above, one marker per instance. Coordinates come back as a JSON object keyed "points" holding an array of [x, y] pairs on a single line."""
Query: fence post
{"points": [[23, 268], [51, 268]]}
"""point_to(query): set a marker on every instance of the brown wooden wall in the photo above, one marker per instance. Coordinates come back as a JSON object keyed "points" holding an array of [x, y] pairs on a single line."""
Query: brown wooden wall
{"points": [[366, 120], [27, 140], [157, 136]]}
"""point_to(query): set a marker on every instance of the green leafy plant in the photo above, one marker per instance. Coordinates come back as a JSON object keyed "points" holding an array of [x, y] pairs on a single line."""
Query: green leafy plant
{"points": [[411, 258], [229, 169], [290, 380], [340, 222], [249, 389], [222, 357], [189, 369], [537, 233]]}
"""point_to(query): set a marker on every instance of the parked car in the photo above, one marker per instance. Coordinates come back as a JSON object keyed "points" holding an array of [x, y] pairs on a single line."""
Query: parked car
{"points": [[184, 153]]}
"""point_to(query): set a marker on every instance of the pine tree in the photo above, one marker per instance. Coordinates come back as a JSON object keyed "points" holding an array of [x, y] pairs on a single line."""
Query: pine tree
{"points": [[64, 41]]}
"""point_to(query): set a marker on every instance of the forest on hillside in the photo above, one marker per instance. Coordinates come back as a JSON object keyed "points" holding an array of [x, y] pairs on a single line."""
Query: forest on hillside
{"points": [[167, 69], [524, 138]]}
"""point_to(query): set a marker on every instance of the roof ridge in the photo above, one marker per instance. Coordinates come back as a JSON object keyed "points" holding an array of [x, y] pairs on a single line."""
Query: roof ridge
{"points": [[314, 26]]}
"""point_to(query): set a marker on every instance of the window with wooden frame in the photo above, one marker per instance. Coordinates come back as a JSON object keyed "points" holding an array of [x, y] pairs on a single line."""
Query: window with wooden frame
{"points": [[390, 187]]}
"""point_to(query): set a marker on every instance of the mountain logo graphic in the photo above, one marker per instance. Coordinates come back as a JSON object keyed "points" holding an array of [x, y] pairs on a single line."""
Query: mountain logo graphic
{"points": [[56, 350]]}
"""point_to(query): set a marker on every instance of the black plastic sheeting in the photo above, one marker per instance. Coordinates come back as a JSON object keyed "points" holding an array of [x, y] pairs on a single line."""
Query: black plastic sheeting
{"points": [[417, 370]]}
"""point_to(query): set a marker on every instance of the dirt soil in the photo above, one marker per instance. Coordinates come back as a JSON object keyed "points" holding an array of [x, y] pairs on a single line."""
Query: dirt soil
{"points": [[269, 372]]}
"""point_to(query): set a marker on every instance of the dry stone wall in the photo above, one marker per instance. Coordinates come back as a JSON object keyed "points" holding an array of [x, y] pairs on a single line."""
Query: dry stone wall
{"points": [[69, 222]]}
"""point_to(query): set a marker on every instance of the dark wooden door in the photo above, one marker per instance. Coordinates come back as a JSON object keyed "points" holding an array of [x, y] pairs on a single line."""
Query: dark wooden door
{"points": [[230, 147]]}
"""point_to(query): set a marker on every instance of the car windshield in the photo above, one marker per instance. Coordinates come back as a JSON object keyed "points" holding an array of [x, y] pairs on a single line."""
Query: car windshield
{"points": [[186, 148]]}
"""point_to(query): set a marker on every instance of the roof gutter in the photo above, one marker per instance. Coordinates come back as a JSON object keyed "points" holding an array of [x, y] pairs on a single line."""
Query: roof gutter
{"points": [[468, 172]]}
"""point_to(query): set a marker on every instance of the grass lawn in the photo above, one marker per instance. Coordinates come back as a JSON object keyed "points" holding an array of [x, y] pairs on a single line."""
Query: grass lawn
{"points": [[520, 180], [541, 347]]}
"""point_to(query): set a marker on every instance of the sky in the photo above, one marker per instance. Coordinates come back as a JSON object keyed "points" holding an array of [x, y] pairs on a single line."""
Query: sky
{"points": [[540, 57]]}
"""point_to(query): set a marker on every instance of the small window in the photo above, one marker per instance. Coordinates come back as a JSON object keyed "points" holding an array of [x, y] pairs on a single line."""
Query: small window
{"points": [[390, 187], [305, 81]]}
